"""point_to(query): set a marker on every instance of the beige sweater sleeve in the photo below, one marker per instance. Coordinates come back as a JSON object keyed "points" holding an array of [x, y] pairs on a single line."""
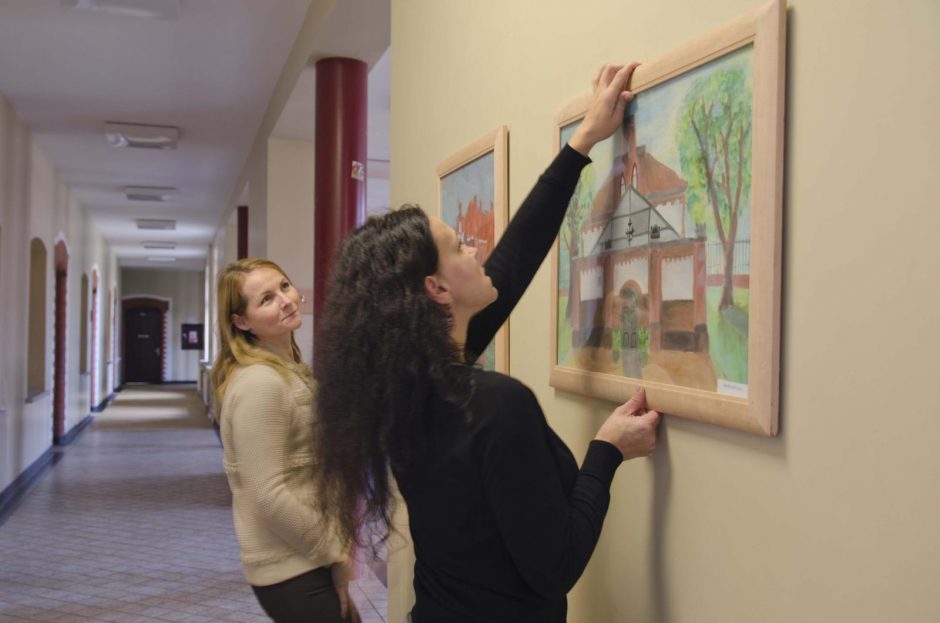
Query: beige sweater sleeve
{"points": [[260, 407]]}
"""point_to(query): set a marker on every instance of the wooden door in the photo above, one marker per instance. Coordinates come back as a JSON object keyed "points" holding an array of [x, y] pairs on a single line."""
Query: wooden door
{"points": [[143, 338]]}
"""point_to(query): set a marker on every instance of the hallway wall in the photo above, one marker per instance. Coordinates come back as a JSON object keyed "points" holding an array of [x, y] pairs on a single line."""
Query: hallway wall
{"points": [[290, 220], [280, 223], [258, 202], [185, 291], [835, 519], [36, 203]]}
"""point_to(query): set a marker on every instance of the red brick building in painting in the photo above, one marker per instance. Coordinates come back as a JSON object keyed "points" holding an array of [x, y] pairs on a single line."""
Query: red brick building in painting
{"points": [[476, 227], [639, 270]]}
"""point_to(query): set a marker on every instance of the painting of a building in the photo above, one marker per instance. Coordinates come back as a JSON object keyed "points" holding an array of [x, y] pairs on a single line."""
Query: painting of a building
{"points": [[638, 284], [468, 203], [653, 262]]}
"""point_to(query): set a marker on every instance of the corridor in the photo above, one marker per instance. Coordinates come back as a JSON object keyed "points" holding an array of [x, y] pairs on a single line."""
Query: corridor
{"points": [[133, 523]]}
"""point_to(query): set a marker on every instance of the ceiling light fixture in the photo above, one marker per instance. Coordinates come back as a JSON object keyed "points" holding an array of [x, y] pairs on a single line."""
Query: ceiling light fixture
{"points": [[155, 223], [161, 259], [156, 244], [150, 193], [159, 9], [141, 136]]}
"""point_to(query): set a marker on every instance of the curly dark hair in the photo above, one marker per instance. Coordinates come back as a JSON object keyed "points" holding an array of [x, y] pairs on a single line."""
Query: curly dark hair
{"points": [[383, 349]]}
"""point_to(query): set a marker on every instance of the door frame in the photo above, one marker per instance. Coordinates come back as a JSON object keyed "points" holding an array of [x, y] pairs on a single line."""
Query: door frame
{"points": [[61, 254], [136, 302]]}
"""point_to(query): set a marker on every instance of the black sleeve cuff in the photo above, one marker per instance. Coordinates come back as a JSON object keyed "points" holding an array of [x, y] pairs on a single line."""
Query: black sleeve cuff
{"points": [[602, 460], [570, 157]]}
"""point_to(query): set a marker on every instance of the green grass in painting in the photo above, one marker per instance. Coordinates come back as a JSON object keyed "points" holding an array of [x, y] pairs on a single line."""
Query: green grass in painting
{"points": [[563, 337], [727, 335], [490, 356]]}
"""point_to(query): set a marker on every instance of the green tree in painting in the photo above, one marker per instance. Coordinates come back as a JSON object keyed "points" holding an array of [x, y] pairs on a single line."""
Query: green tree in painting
{"points": [[715, 156], [578, 209]]}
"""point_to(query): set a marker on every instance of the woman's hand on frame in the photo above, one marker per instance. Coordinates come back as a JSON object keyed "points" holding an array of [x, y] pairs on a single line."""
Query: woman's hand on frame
{"points": [[631, 427], [605, 112]]}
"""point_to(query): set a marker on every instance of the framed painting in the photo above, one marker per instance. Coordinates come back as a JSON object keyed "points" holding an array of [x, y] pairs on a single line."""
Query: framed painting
{"points": [[473, 198], [666, 273]]}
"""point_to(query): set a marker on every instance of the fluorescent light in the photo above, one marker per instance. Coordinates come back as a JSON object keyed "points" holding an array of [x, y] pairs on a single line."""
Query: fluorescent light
{"points": [[161, 259], [142, 136], [156, 244], [150, 193], [160, 9], [155, 223]]}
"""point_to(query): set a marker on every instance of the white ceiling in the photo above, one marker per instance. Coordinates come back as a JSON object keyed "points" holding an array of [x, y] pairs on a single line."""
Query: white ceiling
{"points": [[211, 72]]}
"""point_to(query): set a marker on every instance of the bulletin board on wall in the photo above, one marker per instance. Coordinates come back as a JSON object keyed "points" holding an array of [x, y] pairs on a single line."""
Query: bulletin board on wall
{"points": [[192, 336]]}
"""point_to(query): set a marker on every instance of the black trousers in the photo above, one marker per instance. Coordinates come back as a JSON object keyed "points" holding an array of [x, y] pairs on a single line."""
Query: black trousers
{"points": [[307, 598]]}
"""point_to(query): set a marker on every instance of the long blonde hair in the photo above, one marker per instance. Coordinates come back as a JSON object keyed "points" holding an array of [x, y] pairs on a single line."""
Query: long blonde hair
{"points": [[237, 347]]}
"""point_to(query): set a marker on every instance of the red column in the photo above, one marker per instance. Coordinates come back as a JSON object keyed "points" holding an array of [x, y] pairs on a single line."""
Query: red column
{"points": [[242, 232], [93, 389], [340, 152]]}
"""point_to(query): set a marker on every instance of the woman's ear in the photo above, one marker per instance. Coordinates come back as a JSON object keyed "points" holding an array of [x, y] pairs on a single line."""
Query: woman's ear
{"points": [[436, 290], [240, 322]]}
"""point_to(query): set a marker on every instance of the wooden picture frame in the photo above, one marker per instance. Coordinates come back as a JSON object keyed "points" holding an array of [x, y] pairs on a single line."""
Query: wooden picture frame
{"points": [[652, 282], [473, 198]]}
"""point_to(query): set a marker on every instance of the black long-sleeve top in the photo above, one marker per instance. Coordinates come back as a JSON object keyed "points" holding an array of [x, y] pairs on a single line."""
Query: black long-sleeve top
{"points": [[502, 519]]}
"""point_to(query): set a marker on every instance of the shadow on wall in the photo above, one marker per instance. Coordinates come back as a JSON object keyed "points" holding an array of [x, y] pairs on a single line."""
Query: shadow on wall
{"points": [[662, 485]]}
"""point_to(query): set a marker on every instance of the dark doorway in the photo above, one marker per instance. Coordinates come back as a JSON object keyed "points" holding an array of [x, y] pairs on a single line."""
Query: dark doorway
{"points": [[143, 339]]}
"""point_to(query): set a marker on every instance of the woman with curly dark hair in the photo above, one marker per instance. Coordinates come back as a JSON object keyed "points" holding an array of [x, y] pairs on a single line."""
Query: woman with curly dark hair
{"points": [[502, 519]]}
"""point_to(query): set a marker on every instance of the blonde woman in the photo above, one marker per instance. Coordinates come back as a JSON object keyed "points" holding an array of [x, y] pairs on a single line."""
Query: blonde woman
{"points": [[295, 565]]}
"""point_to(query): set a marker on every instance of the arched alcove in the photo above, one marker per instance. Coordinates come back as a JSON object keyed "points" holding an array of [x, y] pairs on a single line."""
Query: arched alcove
{"points": [[36, 353]]}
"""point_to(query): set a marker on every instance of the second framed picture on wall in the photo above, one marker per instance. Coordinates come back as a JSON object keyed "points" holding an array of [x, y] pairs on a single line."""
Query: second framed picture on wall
{"points": [[473, 198], [667, 270]]}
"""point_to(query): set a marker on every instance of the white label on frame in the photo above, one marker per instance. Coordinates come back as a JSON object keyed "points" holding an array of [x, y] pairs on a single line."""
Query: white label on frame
{"points": [[729, 388]]}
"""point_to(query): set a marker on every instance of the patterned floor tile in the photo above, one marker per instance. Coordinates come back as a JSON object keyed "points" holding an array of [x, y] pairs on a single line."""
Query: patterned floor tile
{"points": [[134, 523]]}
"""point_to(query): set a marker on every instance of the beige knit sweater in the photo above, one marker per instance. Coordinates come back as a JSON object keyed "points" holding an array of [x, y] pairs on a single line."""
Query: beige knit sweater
{"points": [[267, 429]]}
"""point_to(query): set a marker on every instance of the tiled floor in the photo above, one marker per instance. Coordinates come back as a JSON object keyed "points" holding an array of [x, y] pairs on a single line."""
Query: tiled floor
{"points": [[134, 524]]}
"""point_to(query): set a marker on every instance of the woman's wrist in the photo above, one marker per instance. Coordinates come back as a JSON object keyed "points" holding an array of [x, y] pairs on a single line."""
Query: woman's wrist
{"points": [[580, 142]]}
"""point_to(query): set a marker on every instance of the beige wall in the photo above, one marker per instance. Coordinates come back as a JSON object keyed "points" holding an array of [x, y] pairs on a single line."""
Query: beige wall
{"points": [[258, 203], [835, 519], [290, 219], [185, 292], [36, 203], [281, 229], [290, 208]]}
